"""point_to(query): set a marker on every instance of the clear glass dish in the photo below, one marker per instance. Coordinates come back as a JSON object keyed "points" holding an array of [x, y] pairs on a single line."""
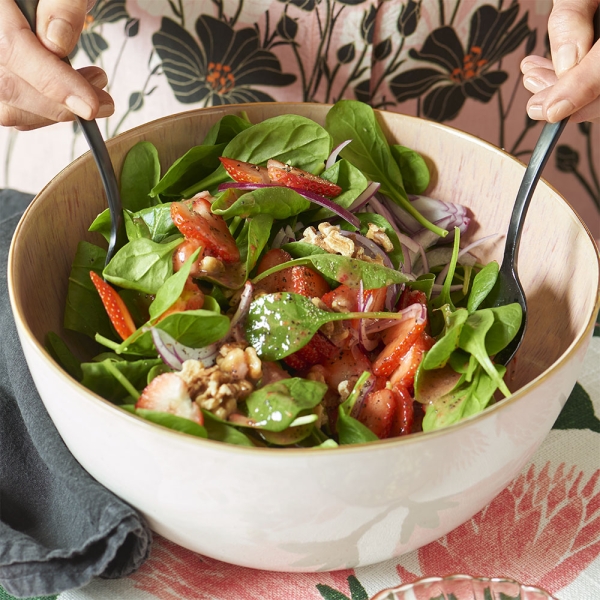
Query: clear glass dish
{"points": [[463, 587]]}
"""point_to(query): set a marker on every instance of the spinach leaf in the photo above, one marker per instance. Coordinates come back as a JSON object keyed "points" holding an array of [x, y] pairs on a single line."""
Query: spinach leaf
{"points": [[257, 236], [464, 401], [274, 406], [211, 304], [472, 340], [444, 297], [424, 283], [291, 139], [142, 265], [370, 152], [352, 182], [395, 255], [194, 328], [101, 224], [135, 227], [220, 431], [280, 324], [414, 170], [194, 165], [507, 322], [172, 422], [483, 284], [352, 431], [98, 377], [440, 353], [62, 354], [84, 311], [350, 271], [291, 435], [159, 222], [279, 202], [171, 289], [302, 249], [225, 129], [139, 174]]}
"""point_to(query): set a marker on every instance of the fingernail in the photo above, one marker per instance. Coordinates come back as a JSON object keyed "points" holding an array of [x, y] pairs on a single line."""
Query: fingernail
{"points": [[566, 58], [535, 112], [560, 110], [105, 110], [99, 79], [78, 106], [60, 33], [534, 85]]}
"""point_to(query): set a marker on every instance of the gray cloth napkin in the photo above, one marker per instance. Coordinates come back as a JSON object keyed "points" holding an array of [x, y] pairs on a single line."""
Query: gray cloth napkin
{"points": [[58, 526]]}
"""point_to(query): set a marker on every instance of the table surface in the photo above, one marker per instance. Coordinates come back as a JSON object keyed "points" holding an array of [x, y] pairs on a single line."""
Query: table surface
{"points": [[543, 530]]}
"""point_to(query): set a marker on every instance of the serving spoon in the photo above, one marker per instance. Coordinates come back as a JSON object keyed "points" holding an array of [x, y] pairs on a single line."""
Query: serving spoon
{"points": [[98, 149], [508, 288]]}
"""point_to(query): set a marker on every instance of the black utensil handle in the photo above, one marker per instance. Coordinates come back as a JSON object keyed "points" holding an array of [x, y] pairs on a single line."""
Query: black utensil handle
{"points": [[541, 153]]}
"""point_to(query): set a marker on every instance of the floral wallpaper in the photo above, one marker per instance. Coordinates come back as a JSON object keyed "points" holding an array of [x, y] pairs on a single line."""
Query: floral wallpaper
{"points": [[452, 61]]}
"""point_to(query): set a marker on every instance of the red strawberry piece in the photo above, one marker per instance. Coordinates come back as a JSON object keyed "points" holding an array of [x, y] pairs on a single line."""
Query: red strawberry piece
{"points": [[196, 222], [183, 252], [345, 364], [410, 296], [169, 393], [398, 339], [316, 352], [116, 309], [244, 172], [378, 412], [301, 180], [409, 363]]}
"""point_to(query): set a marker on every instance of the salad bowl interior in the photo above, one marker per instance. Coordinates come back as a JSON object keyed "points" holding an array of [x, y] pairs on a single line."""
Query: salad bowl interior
{"points": [[312, 509]]}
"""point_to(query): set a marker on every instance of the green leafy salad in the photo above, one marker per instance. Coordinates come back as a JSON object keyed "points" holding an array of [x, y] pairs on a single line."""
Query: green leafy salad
{"points": [[287, 284]]}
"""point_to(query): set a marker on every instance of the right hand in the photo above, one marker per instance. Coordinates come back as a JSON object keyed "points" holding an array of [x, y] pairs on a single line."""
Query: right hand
{"points": [[36, 87]]}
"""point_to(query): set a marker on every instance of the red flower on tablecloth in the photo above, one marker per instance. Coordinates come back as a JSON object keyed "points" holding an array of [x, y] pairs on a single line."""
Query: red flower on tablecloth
{"points": [[542, 530], [172, 573]]}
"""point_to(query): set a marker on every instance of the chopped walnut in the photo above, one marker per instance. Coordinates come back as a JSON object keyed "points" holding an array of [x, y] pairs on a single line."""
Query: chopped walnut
{"points": [[329, 238], [220, 388], [316, 373], [344, 389], [380, 237], [211, 265]]}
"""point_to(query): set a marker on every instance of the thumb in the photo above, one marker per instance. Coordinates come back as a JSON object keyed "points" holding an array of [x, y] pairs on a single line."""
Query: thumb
{"points": [[59, 24]]}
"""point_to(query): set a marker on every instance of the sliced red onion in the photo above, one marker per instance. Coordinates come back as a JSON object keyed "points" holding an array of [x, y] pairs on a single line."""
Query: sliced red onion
{"points": [[335, 153], [479, 242], [365, 196], [380, 209], [283, 236], [244, 306], [362, 394], [373, 249], [437, 287], [174, 354], [311, 196], [367, 342]]}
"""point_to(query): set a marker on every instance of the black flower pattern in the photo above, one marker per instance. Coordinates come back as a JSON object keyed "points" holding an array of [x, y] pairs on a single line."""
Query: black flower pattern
{"points": [[104, 11], [458, 73], [221, 69]]}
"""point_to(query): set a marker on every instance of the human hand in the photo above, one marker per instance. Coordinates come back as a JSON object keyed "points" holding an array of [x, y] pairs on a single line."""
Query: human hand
{"points": [[569, 84], [36, 87]]}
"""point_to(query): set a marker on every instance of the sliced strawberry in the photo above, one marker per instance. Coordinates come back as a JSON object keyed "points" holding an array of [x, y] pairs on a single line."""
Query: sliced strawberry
{"points": [[297, 280], [316, 352], [183, 252], [378, 412], [410, 296], [303, 180], [115, 307], [192, 298], [244, 172], [196, 222], [405, 414], [398, 339], [374, 300], [345, 364], [169, 393], [342, 299], [409, 363]]}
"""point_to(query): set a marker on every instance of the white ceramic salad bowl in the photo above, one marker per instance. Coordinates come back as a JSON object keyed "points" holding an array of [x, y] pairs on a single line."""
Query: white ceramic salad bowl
{"points": [[317, 509]]}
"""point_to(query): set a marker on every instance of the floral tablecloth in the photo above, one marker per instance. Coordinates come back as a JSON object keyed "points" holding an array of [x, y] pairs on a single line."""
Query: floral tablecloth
{"points": [[543, 530]]}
